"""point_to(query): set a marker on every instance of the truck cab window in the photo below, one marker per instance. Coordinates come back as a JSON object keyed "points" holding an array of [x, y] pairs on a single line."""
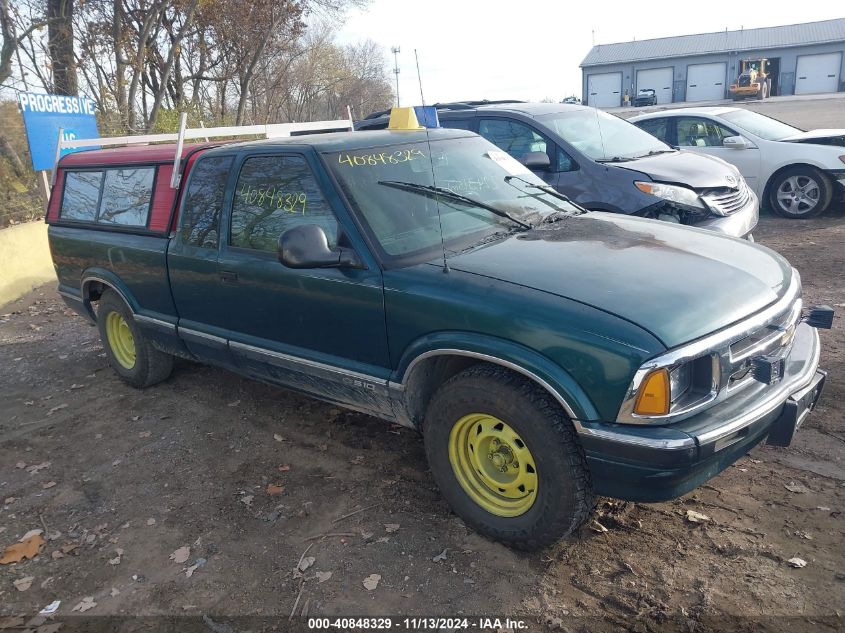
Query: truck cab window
{"points": [[204, 201], [82, 193], [273, 194], [127, 194]]}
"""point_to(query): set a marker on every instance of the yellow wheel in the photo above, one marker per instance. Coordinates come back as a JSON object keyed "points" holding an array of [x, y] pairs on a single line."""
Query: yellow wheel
{"points": [[493, 465], [120, 339], [131, 354], [506, 457]]}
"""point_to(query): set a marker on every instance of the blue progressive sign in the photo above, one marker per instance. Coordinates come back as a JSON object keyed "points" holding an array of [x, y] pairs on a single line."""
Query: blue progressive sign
{"points": [[43, 115]]}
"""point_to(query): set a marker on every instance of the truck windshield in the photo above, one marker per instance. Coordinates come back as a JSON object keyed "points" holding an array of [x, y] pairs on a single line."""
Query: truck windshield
{"points": [[396, 191], [602, 136]]}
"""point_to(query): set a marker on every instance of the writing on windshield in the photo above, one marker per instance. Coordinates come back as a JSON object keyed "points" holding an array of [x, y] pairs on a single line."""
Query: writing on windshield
{"points": [[381, 158]]}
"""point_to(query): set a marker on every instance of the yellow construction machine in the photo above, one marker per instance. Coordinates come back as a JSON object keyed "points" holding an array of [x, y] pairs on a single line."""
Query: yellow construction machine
{"points": [[753, 80]]}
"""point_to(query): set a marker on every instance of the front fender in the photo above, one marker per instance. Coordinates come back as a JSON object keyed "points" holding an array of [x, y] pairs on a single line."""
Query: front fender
{"points": [[519, 358]]}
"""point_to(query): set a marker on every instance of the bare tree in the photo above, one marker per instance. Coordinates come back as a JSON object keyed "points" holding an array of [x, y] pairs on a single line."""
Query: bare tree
{"points": [[11, 41], [60, 43]]}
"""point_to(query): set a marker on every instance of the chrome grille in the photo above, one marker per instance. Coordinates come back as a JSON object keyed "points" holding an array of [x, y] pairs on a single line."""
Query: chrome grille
{"points": [[724, 201], [775, 338]]}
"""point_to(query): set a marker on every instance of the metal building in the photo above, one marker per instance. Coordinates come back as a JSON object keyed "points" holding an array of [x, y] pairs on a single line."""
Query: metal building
{"points": [[804, 59]]}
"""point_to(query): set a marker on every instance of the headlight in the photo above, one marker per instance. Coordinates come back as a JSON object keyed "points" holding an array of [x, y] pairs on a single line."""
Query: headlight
{"points": [[672, 193], [664, 391], [680, 381]]}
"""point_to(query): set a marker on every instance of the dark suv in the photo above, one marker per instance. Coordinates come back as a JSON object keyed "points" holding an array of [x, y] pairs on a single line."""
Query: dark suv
{"points": [[604, 163]]}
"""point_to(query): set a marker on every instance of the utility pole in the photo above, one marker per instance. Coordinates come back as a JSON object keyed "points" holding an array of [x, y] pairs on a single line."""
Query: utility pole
{"points": [[395, 50]]}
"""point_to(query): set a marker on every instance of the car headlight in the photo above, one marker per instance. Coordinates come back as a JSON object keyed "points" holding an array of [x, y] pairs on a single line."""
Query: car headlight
{"points": [[672, 193], [665, 390], [680, 381]]}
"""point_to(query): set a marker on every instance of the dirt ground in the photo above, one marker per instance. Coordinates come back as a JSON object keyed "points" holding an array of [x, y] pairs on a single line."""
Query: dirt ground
{"points": [[254, 481], [110, 469]]}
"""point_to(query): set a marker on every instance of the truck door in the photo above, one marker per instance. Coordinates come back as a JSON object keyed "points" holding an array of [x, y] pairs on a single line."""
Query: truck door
{"points": [[192, 261], [321, 331]]}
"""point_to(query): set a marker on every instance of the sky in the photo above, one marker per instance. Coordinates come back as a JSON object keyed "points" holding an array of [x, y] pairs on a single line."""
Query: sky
{"points": [[531, 50]]}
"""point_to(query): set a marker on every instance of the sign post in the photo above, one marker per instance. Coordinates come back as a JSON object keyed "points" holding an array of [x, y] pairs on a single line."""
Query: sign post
{"points": [[43, 116]]}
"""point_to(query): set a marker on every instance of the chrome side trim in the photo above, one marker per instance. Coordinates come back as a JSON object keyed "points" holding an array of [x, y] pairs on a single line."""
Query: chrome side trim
{"points": [[296, 360], [496, 361], [202, 337], [158, 324], [70, 297], [624, 438]]}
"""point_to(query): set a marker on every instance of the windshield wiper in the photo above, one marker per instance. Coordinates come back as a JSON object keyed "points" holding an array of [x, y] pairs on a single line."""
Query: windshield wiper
{"points": [[446, 193], [655, 152], [615, 159], [544, 188]]}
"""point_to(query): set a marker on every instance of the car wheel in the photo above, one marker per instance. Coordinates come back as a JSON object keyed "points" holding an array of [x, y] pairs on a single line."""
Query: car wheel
{"points": [[507, 458], [129, 352], [800, 192]]}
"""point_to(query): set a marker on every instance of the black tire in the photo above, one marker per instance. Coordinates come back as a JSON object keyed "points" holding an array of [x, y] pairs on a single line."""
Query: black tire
{"points": [[151, 365], [812, 185], [564, 496]]}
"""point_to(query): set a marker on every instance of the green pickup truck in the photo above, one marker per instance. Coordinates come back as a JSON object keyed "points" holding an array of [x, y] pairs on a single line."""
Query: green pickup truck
{"points": [[546, 354]]}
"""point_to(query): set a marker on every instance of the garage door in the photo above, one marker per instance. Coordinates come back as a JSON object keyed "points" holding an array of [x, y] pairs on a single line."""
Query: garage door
{"points": [[817, 73], [604, 90], [659, 80], [706, 82]]}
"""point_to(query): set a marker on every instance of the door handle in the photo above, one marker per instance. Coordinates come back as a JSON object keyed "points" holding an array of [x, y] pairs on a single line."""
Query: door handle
{"points": [[228, 277]]}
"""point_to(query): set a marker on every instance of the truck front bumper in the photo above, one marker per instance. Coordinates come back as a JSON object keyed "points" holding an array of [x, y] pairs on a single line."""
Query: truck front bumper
{"points": [[642, 463]]}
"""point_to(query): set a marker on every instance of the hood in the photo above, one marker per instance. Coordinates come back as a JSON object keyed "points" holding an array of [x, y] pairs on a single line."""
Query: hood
{"points": [[676, 282], [698, 171], [821, 137]]}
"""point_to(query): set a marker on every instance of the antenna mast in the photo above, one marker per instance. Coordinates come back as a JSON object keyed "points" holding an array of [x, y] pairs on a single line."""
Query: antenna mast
{"points": [[396, 50], [419, 77]]}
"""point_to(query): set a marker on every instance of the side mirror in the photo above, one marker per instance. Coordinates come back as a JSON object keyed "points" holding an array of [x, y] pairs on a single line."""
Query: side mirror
{"points": [[536, 160], [735, 142], [306, 246]]}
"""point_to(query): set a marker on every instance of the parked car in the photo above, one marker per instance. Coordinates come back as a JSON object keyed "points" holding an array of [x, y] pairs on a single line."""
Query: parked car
{"points": [[604, 163], [547, 354], [798, 173], [645, 97], [572, 99]]}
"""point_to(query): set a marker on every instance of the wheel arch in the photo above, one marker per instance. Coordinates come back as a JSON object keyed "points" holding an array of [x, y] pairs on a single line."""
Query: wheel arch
{"points": [[767, 189], [424, 368], [95, 282]]}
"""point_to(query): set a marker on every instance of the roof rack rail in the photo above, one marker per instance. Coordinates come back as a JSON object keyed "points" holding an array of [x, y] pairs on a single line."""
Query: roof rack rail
{"points": [[270, 130], [452, 105], [484, 102]]}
